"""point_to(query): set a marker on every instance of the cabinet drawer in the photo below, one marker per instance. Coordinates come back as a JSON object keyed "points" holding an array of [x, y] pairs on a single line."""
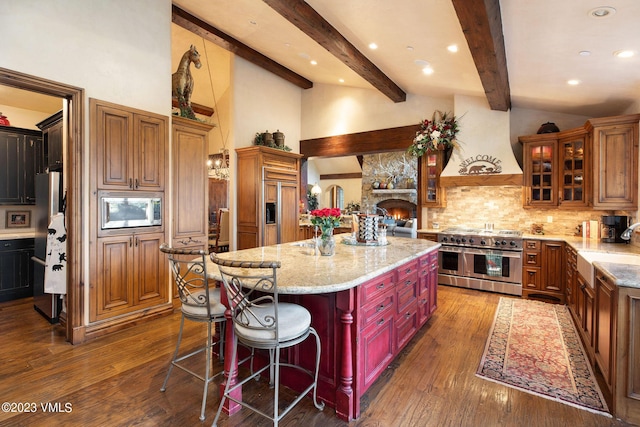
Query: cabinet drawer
{"points": [[376, 288], [407, 292], [532, 259], [424, 264], [406, 327], [273, 174], [532, 245], [379, 311], [13, 244], [409, 269]]}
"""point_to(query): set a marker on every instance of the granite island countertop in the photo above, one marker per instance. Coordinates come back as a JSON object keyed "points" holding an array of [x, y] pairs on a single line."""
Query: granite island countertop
{"points": [[304, 271]]}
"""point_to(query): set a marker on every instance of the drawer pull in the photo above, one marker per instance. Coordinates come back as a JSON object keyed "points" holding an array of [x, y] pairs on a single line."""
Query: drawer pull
{"points": [[379, 308], [407, 316], [381, 321], [408, 282], [380, 286]]}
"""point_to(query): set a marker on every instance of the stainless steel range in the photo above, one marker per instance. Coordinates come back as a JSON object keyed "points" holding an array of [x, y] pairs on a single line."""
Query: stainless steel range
{"points": [[481, 258]]}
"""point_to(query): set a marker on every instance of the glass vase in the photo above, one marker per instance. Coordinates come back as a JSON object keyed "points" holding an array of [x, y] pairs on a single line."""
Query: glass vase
{"points": [[327, 243]]}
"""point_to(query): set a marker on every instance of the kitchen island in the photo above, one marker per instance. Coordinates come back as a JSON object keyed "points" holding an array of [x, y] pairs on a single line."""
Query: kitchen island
{"points": [[366, 303]]}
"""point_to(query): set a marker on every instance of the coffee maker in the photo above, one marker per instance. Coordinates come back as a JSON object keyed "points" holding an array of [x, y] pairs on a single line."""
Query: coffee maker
{"points": [[612, 228]]}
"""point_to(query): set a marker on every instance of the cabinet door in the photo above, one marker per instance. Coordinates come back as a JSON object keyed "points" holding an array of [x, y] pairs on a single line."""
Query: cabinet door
{"points": [[615, 162], [575, 176], [605, 328], [150, 135], [553, 265], [531, 278], [29, 160], [540, 175], [54, 146], [570, 282], [190, 185], [429, 170], [112, 292], [289, 212], [15, 271], [377, 350], [113, 138], [150, 281]]}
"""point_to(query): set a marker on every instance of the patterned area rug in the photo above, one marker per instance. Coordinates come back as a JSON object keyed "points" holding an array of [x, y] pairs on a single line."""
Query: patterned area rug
{"points": [[534, 347]]}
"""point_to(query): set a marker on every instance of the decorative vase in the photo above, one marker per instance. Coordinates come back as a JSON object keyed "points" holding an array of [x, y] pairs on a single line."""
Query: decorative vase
{"points": [[327, 243]]}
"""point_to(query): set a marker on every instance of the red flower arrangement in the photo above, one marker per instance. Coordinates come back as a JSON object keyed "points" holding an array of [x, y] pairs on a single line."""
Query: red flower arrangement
{"points": [[327, 219]]}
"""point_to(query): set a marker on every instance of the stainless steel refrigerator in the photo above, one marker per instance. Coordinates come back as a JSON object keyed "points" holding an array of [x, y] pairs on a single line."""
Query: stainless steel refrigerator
{"points": [[49, 201]]}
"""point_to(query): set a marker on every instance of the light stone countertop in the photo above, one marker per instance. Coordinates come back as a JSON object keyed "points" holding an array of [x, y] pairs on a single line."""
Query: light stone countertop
{"points": [[304, 272], [18, 233]]}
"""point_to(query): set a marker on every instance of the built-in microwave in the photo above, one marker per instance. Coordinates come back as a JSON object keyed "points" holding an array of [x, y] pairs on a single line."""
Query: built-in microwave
{"points": [[122, 210]]}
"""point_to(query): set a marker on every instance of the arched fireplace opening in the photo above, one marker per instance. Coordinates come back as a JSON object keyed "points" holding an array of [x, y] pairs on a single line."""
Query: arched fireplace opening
{"points": [[398, 209]]}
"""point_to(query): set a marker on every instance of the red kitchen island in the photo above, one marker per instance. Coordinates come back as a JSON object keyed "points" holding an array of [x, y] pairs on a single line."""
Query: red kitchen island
{"points": [[366, 303]]}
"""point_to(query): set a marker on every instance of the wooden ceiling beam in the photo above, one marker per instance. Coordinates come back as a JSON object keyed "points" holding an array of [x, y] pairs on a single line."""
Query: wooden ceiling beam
{"points": [[197, 26], [310, 22], [482, 26], [354, 144]]}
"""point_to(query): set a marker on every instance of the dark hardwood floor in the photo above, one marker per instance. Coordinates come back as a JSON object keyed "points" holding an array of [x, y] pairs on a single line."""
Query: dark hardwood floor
{"points": [[115, 380]]}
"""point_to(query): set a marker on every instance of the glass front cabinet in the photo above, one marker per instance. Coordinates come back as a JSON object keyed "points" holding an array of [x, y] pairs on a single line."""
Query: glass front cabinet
{"points": [[430, 167], [555, 168]]}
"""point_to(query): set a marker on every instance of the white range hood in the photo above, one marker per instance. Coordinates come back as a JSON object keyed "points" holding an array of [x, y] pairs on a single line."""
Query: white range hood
{"points": [[484, 155]]}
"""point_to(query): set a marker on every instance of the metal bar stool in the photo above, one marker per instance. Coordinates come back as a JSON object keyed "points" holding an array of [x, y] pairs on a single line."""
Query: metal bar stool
{"points": [[200, 303], [260, 321]]}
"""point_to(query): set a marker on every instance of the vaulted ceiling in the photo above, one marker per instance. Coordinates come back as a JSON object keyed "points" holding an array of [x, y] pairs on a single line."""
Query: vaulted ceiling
{"points": [[517, 53]]}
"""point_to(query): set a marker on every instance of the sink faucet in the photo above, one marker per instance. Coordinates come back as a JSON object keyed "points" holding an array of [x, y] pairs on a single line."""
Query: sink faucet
{"points": [[626, 234]]}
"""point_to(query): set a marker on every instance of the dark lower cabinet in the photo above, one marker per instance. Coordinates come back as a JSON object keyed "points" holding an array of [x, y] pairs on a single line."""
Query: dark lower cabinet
{"points": [[15, 269]]}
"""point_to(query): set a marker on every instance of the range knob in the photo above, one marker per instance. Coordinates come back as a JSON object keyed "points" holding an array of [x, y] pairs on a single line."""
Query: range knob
{"points": [[457, 240], [483, 242], [512, 243], [444, 239], [471, 241], [464, 240], [497, 243], [504, 242]]}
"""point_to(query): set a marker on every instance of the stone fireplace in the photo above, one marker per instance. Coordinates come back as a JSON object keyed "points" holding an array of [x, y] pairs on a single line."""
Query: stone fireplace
{"points": [[398, 168]]}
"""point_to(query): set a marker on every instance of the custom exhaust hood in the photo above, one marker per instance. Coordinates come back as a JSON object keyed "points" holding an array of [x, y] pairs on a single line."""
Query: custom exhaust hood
{"points": [[484, 155]]}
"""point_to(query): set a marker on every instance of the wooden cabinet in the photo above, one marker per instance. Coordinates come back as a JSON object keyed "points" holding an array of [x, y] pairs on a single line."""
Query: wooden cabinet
{"points": [[431, 194], [626, 385], [131, 147], [131, 275], [571, 273], [407, 293], [267, 196], [432, 237], [585, 318], [18, 165], [15, 269], [52, 141], [543, 270], [615, 162], [190, 186], [592, 166], [428, 285], [606, 299]]}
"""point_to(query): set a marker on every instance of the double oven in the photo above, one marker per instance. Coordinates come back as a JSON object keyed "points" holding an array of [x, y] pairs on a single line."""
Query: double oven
{"points": [[481, 259]]}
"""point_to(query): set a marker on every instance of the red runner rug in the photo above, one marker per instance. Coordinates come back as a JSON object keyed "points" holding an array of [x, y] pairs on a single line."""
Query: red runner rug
{"points": [[534, 347]]}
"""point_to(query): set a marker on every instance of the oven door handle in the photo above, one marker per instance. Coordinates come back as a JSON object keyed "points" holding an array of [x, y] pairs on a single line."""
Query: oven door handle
{"points": [[450, 249], [505, 254]]}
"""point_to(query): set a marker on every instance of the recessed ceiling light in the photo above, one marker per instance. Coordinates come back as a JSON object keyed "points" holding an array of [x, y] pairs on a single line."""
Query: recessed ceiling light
{"points": [[453, 48], [410, 48], [314, 62], [584, 53], [427, 70], [253, 22], [421, 63], [624, 53], [341, 80], [573, 82], [373, 46], [602, 12], [304, 55]]}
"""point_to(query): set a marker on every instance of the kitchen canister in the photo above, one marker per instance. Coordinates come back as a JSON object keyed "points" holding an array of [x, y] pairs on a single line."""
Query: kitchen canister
{"points": [[367, 228], [278, 138], [267, 138]]}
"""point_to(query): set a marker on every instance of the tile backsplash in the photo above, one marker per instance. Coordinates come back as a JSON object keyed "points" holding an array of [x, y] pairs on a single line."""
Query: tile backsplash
{"points": [[502, 206]]}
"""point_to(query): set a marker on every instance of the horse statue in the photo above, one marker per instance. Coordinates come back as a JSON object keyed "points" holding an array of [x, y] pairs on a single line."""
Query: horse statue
{"points": [[182, 82]]}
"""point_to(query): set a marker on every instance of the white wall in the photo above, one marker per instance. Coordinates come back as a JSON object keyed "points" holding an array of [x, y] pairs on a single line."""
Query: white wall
{"points": [[118, 51], [329, 110], [26, 119]]}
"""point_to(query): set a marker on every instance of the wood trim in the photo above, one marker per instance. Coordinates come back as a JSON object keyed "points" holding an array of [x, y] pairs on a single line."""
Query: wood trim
{"points": [[310, 22], [73, 169], [198, 108], [480, 180], [209, 32], [354, 144], [482, 26], [354, 175]]}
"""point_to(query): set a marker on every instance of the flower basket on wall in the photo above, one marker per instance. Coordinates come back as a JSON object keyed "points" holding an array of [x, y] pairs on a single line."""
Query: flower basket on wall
{"points": [[437, 134]]}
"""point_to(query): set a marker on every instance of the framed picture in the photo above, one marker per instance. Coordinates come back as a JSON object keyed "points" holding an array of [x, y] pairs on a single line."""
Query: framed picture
{"points": [[18, 219]]}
